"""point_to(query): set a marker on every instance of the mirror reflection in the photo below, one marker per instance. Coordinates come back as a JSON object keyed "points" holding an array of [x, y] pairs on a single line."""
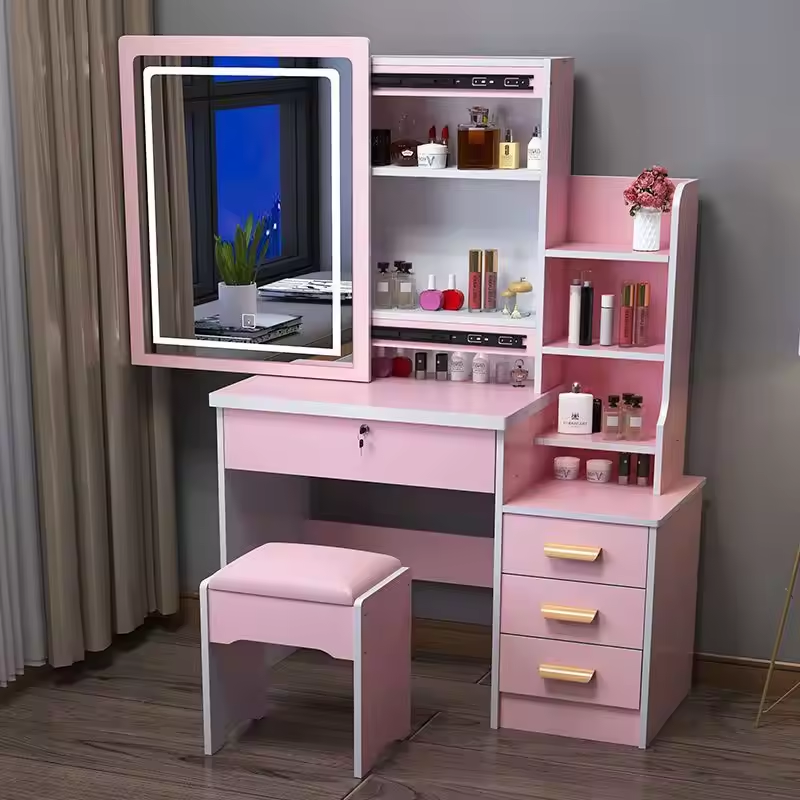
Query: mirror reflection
{"points": [[248, 204]]}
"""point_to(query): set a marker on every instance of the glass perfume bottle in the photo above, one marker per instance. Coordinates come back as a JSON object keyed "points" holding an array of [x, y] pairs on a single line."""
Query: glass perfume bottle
{"points": [[478, 141], [383, 295], [406, 292], [633, 430], [381, 363], [612, 428], [404, 147]]}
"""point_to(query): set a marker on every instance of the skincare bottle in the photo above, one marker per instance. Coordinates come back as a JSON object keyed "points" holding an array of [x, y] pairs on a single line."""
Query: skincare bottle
{"points": [[587, 308], [509, 152], [574, 334], [459, 367], [597, 415], [643, 470], [535, 150], [633, 430], [480, 368], [490, 280], [383, 287], [381, 364], [606, 319], [611, 419], [475, 280], [401, 365], [624, 469], [452, 298], [431, 299], [441, 366], [641, 317], [406, 289], [575, 411], [625, 338], [421, 366]]}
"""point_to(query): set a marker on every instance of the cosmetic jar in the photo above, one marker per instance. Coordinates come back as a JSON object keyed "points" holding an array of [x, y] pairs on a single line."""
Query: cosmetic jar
{"points": [[598, 470], [432, 155], [566, 468]]}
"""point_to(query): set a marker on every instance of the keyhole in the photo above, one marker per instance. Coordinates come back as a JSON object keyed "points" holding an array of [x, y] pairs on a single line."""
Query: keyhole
{"points": [[362, 432]]}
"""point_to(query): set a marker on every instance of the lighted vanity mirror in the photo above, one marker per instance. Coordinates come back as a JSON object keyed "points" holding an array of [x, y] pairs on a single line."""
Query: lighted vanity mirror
{"points": [[247, 195]]}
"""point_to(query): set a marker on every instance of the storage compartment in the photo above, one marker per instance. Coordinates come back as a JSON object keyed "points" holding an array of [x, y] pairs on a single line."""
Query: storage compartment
{"points": [[572, 611]]}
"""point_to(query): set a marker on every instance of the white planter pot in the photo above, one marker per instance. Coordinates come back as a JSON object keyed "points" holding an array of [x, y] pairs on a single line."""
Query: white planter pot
{"points": [[235, 301], [647, 229]]}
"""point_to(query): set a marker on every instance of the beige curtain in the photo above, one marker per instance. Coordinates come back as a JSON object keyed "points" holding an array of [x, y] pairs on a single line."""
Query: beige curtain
{"points": [[103, 432]]}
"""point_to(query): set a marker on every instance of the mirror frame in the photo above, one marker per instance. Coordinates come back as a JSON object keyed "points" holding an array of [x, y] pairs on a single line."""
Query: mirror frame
{"points": [[356, 50]]}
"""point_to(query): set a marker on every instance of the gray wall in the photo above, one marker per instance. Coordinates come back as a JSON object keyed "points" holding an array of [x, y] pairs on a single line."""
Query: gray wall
{"points": [[709, 88]]}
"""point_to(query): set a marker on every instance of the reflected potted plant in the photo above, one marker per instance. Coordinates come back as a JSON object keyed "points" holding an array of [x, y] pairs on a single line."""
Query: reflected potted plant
{"points": [[237, 263], [649, 196]]}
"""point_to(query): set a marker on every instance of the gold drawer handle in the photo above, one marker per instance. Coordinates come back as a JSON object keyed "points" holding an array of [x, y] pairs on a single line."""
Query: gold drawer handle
{"points": [[585, 616], [573, 552], [552, 672]]}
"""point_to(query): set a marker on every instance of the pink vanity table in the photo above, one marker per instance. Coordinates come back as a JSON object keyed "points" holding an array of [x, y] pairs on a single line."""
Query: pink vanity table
{"points": [[594, 585]]}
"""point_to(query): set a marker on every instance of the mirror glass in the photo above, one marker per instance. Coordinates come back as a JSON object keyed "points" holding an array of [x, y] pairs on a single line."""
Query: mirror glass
{"points": [[247, 198]]}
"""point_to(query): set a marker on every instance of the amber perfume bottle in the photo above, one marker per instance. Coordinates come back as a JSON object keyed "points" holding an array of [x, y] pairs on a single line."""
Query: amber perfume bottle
{"points": [[478, 141], [404, 147]]}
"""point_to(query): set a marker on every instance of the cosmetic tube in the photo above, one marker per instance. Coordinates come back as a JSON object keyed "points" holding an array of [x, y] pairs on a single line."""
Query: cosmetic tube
{"points": [[626, 316], [475, 280], [641, 318], [490, 280]]}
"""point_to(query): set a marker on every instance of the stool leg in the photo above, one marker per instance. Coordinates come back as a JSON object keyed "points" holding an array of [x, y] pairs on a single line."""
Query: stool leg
{"points": [[234, 683], [381, 669]]}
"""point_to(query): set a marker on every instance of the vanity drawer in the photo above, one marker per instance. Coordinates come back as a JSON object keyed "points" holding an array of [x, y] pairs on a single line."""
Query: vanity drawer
{"points": [[572, 611], [573, 550], [327, 447], [584, 673]]}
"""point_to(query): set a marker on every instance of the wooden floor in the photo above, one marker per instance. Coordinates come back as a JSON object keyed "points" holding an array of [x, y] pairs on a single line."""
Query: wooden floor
{"points": [[130, 729]]}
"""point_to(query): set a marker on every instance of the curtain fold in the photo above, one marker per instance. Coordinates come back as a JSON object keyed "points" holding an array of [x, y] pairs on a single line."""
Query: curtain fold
{"points": [[22, 622], [103, 434]]}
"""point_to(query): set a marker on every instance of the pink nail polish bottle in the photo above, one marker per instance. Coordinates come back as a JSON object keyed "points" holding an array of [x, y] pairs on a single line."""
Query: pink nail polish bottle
{"points": [[431, 299]]}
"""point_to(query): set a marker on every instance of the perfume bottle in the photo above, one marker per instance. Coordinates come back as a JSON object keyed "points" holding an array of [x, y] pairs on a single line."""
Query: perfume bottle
{"points": [[633, 430], [431, 299], [490, 280], [509, 152], [401, 365], [404, 147], [383, 297], [641, 315], [480, 368], [611, 419], [459, 367], [406, 292], [575, 411], [478, 141], [452, 298], [535, 150], [381, 364]]}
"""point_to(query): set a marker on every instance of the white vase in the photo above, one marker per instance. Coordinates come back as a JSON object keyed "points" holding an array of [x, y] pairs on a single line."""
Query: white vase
{"points": [[234, 301], [647, 229]]}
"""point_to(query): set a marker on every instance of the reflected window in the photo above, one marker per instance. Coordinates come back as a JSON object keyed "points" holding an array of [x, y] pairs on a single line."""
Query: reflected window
{"points": [[250, 142]]}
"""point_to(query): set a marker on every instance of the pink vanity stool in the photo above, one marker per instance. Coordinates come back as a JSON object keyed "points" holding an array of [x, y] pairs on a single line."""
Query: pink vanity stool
{"points": [[351, 604]]}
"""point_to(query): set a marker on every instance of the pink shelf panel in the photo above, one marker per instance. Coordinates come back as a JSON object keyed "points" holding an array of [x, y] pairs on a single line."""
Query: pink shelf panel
{"points": [[563, 348], [603, 502], [595, 441]]}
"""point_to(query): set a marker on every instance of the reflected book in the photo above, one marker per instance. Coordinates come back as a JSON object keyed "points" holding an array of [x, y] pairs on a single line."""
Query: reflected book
{"points": [[266, 328], [308, 289]]}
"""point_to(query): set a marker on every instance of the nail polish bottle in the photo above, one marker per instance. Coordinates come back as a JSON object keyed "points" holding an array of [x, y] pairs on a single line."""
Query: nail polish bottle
{"points": [[401, 365], [381, 364], [452, 298], [641, 315], [459, 367], [597, 415], [475, 280], [441, 366], [431, 298], [480, 368], [624, 469], [421, 366], [611, 419], [490, 280], [643, 470]]}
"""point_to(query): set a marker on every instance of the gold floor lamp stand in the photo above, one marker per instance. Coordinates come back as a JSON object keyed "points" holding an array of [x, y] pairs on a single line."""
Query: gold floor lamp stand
{"points": [[776, 649]]}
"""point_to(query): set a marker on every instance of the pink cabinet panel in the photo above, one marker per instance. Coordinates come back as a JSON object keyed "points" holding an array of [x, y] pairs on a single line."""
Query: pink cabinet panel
{"points": [[576, 612], [562, 548], [611, 675], [395, 453]]}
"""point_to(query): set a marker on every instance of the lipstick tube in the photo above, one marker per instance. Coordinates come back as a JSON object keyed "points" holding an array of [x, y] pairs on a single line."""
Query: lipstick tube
{"points": [[475, 280], [490, 280], [641, 318], [625, 338]]}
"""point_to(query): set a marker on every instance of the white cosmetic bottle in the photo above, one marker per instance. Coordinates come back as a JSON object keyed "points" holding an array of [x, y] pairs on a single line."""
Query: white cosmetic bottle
{"points": [[574, 333], [480, 369], [459, 367], [606, 319], [535, 155], [575, 411]]}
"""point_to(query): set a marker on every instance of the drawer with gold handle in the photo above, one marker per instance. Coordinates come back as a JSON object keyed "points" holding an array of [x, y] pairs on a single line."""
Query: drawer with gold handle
{"points": [[554, 672], [572, 611], [572, 552], [582, 616]]}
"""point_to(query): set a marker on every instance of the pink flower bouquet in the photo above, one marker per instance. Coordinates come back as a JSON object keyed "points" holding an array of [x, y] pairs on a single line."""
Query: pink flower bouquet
{"points": [[652, 189]]}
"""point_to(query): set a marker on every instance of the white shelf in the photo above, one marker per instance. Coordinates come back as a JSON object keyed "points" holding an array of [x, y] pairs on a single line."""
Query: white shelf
{"points": [[493, 94], [525, 175], [562, 348], [453, 320], [604, 252], [595, 441]]}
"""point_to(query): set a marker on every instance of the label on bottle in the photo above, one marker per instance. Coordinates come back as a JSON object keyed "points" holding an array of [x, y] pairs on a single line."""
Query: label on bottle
{"points": [[383, 286], [635, 422], [612, 422], [405, 287]]}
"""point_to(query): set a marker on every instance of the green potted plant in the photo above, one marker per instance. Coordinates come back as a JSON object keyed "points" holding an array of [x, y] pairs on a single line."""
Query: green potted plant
{"points": [[237, 263]]}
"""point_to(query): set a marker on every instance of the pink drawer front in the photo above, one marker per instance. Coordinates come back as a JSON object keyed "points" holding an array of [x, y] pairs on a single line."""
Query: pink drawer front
{"points": [[554, 548], [327, 447], [572, 611], [614, 674]]}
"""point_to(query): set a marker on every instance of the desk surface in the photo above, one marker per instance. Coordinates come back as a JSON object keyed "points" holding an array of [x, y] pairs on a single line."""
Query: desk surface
{"points": [[456, 405]]}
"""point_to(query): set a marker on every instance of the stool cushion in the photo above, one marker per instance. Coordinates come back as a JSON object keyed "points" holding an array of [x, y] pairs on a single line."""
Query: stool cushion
{"points": [[305, 572]]}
